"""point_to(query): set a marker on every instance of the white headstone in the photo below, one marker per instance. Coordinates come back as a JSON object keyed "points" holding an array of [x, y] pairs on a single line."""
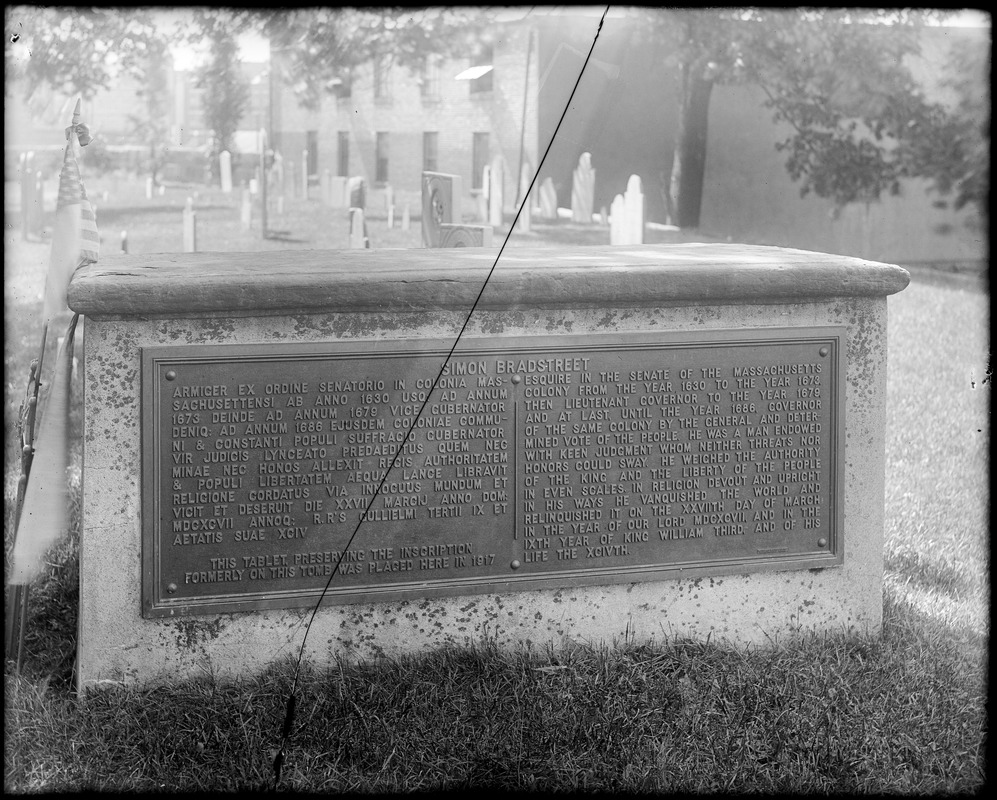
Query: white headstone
{"points": [[254, 186], [548, 199], [634, 201], [406, 221], [225, 170], [583, 190], [617, 224], [358, 239], [148, 188], [496, 188], [389, 202], [189, 227]]}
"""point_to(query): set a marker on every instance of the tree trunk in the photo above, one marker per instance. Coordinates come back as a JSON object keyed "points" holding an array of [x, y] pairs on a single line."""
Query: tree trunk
{"points": [[689, 165]]}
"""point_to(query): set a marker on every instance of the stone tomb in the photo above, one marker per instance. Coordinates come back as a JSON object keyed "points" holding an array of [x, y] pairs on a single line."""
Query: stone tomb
{"points": [[669, 440]]}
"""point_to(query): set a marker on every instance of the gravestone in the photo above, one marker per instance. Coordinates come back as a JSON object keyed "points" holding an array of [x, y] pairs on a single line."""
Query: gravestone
{"points": [[225, 170], [617, 221], [496, 192], [148, 188], [389, 205], [27, 177], [406, 218], [548, 199], [356, 191], [465, 235], [599, 460], [583, 190], [441, 203], [486, 181], [633, 201], [189, 227], [358, 229]]}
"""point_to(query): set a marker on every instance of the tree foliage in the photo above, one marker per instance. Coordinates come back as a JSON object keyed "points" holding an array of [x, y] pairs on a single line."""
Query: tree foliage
{"points": [[226, 91], [840, 80], [323, 45], [76, 51]]}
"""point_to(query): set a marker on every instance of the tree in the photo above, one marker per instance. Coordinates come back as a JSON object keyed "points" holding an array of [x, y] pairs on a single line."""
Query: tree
{"points": [[77, 51], [324, 45], [152, 126], [226, 92], [839, 78], [82, 51]]}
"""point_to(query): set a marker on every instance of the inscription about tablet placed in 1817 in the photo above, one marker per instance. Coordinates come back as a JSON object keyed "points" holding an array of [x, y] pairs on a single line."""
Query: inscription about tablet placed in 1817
{"points": [[537, 461]]}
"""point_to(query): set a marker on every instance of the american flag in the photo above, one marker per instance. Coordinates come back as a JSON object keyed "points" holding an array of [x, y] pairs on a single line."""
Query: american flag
{"points": [[44, 517], [75, 240], [72, 191]]}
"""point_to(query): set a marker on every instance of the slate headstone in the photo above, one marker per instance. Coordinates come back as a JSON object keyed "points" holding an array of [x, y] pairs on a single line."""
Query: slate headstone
{"points": [[356, 189]]}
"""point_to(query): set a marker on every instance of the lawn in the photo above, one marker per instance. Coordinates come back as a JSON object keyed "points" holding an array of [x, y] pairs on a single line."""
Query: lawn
{"points": [[902, 713]]}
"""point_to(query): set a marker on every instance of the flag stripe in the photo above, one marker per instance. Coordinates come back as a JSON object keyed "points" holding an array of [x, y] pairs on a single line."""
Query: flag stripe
{"points": [[73, 192]]}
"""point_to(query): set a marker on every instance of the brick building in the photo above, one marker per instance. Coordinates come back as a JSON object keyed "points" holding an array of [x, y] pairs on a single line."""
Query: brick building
{"points": [[388, 123]]}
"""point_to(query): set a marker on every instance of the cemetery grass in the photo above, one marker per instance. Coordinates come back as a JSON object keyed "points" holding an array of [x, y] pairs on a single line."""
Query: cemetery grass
{"points": [[901, 713]]}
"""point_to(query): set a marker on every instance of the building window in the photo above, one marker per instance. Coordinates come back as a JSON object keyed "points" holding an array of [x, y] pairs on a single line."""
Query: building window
{"points": [[343, 153], [430, 86], [382, 79], [485, 60], [381, 156], [430, 145], [479, 158], [342, 86]]}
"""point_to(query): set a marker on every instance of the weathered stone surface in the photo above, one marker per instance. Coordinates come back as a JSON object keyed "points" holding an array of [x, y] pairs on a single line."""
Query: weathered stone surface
{"points": [[331, 280]]}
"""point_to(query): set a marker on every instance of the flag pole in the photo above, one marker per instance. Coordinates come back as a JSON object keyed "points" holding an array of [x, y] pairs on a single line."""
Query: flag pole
{"points": [[42, 497]]}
